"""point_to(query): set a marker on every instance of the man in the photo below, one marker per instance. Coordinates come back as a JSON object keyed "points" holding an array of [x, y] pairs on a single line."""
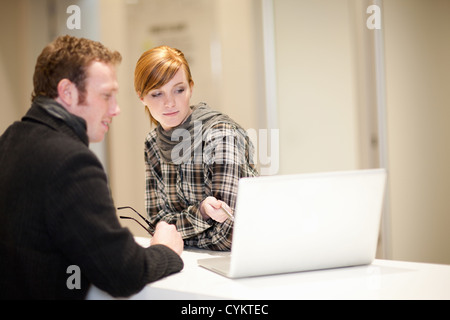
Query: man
{"points": [[56, 211]]}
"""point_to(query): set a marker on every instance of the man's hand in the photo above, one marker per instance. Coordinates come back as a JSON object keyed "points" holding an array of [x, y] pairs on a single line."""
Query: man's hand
{"points": [[168, 235]]}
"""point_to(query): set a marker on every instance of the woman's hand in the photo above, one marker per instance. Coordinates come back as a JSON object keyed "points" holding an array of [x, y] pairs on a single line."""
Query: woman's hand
{"points": [[212, 208]]}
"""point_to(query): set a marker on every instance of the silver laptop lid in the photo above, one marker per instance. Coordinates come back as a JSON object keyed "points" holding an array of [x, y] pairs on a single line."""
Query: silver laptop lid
{"points": [[306, 222]]}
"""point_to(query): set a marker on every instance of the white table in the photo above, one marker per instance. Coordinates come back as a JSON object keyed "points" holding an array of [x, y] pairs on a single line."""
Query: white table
{"points": [[383, 279]]}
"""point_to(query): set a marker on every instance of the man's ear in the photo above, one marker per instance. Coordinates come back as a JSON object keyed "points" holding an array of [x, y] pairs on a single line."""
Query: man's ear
{"points": [[67, 93]]}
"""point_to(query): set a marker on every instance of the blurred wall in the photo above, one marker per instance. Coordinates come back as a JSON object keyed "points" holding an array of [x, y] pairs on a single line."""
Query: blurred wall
{"points": [[417, 44], [317, 109], [321, 98], [20, 44]]}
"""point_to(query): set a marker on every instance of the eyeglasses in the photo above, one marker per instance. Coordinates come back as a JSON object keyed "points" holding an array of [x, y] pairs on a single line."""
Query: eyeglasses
{"points": [[150, 225]]}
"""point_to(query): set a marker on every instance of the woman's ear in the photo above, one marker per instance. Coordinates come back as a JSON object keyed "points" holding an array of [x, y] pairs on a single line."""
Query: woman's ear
{"points": [[141, 98], [191, 85]]}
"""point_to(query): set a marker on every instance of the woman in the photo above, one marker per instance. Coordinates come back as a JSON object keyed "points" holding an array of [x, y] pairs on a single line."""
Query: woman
{"points": [[194, 157]]}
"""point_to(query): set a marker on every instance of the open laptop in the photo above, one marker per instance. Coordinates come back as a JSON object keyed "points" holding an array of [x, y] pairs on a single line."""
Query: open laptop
{"points": [[292, 223]]}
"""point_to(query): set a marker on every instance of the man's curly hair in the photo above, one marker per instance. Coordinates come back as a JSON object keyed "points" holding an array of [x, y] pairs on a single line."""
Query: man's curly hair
{"points": [[68, 57]]}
